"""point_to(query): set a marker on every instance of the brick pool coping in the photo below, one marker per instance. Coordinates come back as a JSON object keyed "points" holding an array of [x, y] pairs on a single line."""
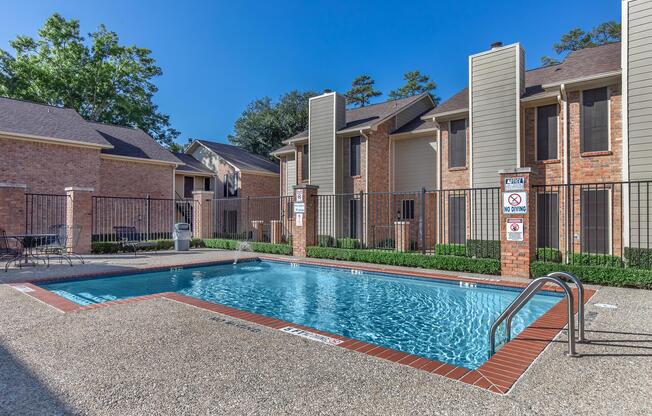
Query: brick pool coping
{"points": [[498, 374]]}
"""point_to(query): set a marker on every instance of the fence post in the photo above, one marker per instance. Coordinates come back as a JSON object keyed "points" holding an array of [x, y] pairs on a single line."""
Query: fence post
{"points": [[304, 232], [13, 212], [149, 216], [402, 234], [79, 213], [517, 222], [422, 220], [202, 218], [276, 231], [362, 227]]}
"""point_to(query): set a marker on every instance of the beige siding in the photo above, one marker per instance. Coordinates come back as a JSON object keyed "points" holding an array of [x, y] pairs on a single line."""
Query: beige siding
{"points": [[413, 111], [290, 175], [415, 164], [639, 88], [322, 143], [496, 80]]}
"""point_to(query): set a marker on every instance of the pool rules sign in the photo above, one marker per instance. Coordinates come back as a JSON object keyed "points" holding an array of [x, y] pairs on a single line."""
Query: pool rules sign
{"points": [[514, 229]]}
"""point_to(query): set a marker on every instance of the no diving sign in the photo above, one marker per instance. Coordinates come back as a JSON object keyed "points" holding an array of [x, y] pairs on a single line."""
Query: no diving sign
{"points": [[514, 202], [514, 229]]}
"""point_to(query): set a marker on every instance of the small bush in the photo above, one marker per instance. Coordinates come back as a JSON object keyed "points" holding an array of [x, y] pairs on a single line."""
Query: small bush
{"points": [[450, 250], [453, 263], [112, 247], [549, 254], [348, 243], [638, 257], [221, 243], [257, 247], [603, 260], [483, 249], [607, 276], [325, 241], [387, 243]]}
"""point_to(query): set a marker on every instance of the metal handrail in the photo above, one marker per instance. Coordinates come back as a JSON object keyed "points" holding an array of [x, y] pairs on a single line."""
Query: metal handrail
{"points": [[524, 297], [580, 305]]}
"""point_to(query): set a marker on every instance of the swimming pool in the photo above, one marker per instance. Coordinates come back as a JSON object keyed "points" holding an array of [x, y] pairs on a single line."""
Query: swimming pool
{"points": [[440, 320]]}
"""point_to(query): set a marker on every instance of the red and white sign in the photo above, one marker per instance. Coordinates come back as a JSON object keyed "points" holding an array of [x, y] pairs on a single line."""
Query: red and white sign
{"points": [[514, 229], [298, 219], [515, 202], [299, 195]]}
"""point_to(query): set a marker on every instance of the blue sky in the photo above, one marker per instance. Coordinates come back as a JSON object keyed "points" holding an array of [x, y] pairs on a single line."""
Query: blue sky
{"points": [[217, 56]]}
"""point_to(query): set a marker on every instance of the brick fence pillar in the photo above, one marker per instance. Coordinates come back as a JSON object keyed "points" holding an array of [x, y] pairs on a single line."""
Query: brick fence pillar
{"points": [[12, 208], [79, 213], [517, 225], [304, 229], [258, 232], [276, 231], [203, 210], [402, 235]]}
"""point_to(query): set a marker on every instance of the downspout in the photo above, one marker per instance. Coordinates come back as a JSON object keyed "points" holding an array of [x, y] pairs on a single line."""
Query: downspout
{"points": [[366, 186], [564, 105]]}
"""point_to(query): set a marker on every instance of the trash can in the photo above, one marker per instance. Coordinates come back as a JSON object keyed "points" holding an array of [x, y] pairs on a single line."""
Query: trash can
{"points": [[181, 236]]}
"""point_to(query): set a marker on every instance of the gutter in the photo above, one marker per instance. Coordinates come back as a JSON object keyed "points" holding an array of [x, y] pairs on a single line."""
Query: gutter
{"points": [[589, 78]]}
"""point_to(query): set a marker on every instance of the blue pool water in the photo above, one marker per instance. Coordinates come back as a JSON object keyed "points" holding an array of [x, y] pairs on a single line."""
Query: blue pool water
{"points": [[440, 320]]}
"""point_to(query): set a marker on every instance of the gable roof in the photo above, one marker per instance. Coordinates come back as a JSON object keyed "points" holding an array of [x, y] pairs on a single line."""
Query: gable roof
{"points": [[190, 164], [241, 158], [132, 142], [578, 64], [416, 125], [29, 119]]}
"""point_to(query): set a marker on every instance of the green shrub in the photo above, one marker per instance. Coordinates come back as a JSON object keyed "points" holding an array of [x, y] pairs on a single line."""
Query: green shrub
{"points": [[112, 247], [387, 243], [101, 247], [453, 263], [483, 249], [348, 243], [549, 254], [450, 250], [257, 247], [607, 276], [638, 257], [603, 260], [324, 240]]}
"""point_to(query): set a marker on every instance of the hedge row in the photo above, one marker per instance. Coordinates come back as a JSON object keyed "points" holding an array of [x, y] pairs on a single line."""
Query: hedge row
{"points": [[112, 247], [452, 263], [479, 249], [257, 247], [608, 276]]}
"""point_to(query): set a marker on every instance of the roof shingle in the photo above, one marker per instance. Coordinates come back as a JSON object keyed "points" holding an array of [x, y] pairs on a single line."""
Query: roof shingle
{"points": [[190, 164], [132, 142], [241, 158]]}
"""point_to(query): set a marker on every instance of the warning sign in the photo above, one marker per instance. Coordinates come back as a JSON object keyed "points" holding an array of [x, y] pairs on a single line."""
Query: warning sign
{"points": [[516, 183], [299, 195], [515, 202], [514, 229], [298, 219]]}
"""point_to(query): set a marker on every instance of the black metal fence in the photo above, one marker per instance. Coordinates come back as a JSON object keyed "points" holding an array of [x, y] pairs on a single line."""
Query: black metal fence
{"points": [[152, 218], [454, 221], [252, 218], [599, 224], [42, 211]]}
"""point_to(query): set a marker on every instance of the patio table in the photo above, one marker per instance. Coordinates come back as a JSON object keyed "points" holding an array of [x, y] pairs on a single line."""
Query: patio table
{"points": [[28, 243]]}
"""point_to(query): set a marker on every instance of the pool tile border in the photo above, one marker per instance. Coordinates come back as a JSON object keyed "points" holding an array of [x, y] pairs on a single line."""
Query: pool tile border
{"points": [[497, 375]]}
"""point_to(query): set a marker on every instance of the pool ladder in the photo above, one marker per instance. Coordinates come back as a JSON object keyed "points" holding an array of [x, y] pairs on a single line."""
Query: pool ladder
{"points": [[529, 292]]}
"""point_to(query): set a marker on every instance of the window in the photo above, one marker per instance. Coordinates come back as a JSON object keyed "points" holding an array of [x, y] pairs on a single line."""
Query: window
{"points": [[354, 211], [230, 186], [188, 186], [595, 120], [547, 132], [305, 163], [457, 219], [457, 144], [407, 212], [595, 221], [354, 156], [548, 220], [207, 184]]}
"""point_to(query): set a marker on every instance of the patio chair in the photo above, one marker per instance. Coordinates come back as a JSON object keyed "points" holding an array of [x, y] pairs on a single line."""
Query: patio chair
{"points": [[59, 245], [129, 237], [8, 254]]}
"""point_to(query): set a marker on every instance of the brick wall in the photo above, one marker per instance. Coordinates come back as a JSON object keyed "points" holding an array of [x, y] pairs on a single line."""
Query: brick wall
{"points": [[258, 185], [134, 179]]}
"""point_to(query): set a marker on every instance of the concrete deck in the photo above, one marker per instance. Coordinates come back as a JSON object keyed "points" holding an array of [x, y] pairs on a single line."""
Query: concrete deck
{"points": [[163, 357]]}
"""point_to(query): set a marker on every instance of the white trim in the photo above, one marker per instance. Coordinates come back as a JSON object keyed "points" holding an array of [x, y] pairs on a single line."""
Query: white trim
{"points": [[138, 160], [517, 49], [12, 185], [439, 168], [366, 161], [445, 114], [588, 78], [624, 95], [335, 146], [190, 173], [51, 140], [78, 189], [511, 45], [471, 121]]}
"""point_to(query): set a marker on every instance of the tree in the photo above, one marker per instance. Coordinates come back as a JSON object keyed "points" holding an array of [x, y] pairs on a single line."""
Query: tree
{"points": [[415, 83], [264, 125], [576, 39], [101, 79], [362, 91]]}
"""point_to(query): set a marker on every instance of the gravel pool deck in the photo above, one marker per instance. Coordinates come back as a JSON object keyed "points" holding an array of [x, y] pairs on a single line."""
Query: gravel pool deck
{"points": [[160, 357]]}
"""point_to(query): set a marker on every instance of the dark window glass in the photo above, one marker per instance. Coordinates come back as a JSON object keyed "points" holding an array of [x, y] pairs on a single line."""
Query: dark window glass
{"points": [[457, 219], [230, 186], [457, 144], [547, 132], [354, 156], [595, 120], [407, 212], [354, 212], [548, 220], [595, 221], [305, 163], [188, 186], [207, 184], [230, 222]]}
